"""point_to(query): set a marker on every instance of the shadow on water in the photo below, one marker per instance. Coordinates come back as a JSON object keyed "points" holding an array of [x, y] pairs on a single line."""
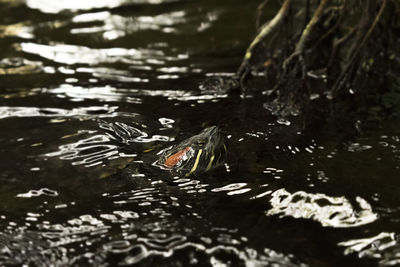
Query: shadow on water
{"points": [[92, 90]]}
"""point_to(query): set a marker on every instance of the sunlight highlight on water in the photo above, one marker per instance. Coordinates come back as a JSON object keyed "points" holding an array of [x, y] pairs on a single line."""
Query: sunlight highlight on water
{"points": [[370, 247], [335, 212], [233, 189], [49, 6], [73, 54], [116, 26], [37, 193], [80, 112], [89, 152]]}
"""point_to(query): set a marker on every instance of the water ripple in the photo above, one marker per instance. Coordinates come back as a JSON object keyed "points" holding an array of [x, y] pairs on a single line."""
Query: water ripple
{"points": [[40, 192], [20, 30], [145, 195], [113, 94], [162, 241], [383, 246], [129, 134], [115, 26], [356, 147], [19, 66], [89, 152], [329, 211], [104, 94], [49, 6], [191, 186], [119, 246], [216, 255], [50, 244], [93, 111], [370, 247], [229, 187], [74, 54]]}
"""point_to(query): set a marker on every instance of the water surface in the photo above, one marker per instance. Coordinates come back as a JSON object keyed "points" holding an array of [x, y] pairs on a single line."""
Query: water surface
{"points": [[76, 193]]}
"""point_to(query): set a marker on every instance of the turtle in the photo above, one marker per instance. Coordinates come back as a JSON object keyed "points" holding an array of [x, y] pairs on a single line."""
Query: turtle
{"points": [[195, 155]]}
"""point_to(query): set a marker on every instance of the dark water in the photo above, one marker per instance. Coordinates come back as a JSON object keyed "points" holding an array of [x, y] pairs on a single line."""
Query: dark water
{"points": [[284, 198]]}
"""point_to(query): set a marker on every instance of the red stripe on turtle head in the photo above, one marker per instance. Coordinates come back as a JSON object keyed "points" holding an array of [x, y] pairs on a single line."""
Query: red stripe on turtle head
{"points": [[174, 159]]}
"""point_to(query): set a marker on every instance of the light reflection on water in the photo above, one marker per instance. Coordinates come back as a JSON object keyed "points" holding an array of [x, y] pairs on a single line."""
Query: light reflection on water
{"points": [[116, 26], [372, 246], [233, 189], [19, 66], [113, 94], [141, 236], [74, 54], [20, 30], [153, 200], [37, 193], [329, 211], [81, 112], [97, 148], [88, 152], [49, 6], [54, 241], [384, 247]]}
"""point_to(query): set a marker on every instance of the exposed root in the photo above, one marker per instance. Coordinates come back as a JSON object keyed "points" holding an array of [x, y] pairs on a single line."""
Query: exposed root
{"points": [[305, 36], [334, 27], [337, 44], [314, 48], [266, 30], [342, 77], [259, 11]]}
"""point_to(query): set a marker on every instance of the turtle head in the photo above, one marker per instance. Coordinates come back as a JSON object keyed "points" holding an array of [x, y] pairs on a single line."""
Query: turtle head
{"points": [[196, 154]]}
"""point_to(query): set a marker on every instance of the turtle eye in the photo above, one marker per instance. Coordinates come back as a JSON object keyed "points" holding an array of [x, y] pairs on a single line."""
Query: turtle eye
{"points": [[201, 142]]}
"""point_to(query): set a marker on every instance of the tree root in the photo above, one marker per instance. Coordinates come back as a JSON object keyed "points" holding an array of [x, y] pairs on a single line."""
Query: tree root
{"points": [[305, 36], [345, 72], [324, 38], [259, 11], [336, 46], [266, 30], [334, 27]]}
